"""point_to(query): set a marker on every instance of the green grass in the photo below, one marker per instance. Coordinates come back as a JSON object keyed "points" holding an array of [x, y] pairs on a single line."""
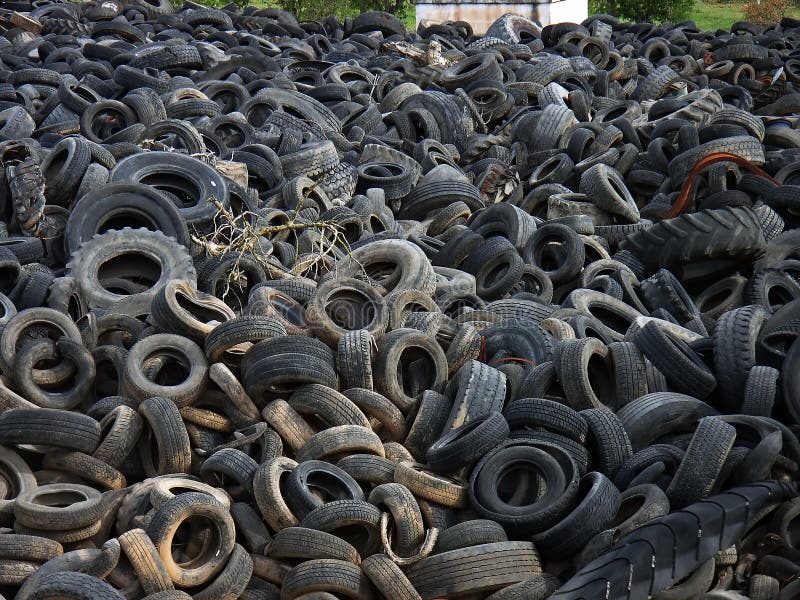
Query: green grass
{"points": [[715, 16], [709, 15]]}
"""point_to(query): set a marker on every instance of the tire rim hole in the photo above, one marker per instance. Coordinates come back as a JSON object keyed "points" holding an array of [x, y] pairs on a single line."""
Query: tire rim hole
{"points": [[167, 369], [630, 506], [194, 542], [133, 267], [61, 499], [176, 186], [610, 319], [350, 310], [415, 371]]}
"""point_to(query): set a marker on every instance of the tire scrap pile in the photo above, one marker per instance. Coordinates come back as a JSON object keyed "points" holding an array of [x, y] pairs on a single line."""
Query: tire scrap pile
{"points": [[307, 311]]}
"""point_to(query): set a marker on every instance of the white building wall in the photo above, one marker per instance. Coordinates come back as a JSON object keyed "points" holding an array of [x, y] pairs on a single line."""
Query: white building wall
{"points": [[481, 15]]}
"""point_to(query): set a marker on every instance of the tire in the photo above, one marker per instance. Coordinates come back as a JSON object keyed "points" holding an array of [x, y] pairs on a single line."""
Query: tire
{"points": [[686, 539], [327, 405], [22, 324], [177, 171], [368, 468], [387, 577], [284, 364], [312, 160], [145, 561], [477, 67], [739, 52], [488, 569], [427, 485], [338, 440], [606, 188], [577, 452], [295, 543], [368, 262], [355, 521], [268, 496], [684, 370], [469, 533], [166, 57], [598, 506], [215, 278], [166, 428], [342, 305], [179, 308], [553, 122], [68, 351], [172, 260], [27, 250], [513, 29], [705, 456], [388, 364], [231, 339], [477, 391], [51, 427], [312, 478], [575, 360], [290, 425], [763, 587], [28, 548], [657, 414], [230, 464], [96, 177], [760, 391], [640, 504], [735, 339], [630, 377], [230, 584], [613, 317], [266, 301], [379, 408], [326, 575], [354, 359], [252, 527], [733, 233], [663, 290], [427, 198], [556, 243], [16, 123], [554, 416], [63, 168], [166, 345], [58, 507], [537, 587], [555, 466], [608, 440], [694, 585], [771, 289], [86, 467], [432, 414], [122, 427], [73, 586], [211, 561]]}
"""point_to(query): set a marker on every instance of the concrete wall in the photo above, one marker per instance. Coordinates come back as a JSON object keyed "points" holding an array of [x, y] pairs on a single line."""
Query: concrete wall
{"points": [[566, 11], [482, 14]]}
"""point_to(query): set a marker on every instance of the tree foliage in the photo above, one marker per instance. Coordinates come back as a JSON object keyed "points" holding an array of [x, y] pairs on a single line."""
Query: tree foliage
{"points": [[653, 11], [312, 10], [766, 12]]}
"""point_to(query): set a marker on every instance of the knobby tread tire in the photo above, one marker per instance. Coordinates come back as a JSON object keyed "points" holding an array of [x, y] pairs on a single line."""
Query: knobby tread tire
{"points": [[731, 233], [669, 548]]}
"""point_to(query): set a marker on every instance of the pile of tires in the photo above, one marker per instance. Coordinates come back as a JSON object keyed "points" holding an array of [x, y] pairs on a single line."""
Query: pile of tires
{"points": [[320, 310]]}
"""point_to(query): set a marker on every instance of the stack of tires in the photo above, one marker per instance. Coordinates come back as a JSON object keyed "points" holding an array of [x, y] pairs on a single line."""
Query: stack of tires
{"points": [[317, 310]]}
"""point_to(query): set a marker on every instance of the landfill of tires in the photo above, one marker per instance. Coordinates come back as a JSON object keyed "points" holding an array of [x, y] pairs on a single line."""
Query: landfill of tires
{"points": [[509, 316]]}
